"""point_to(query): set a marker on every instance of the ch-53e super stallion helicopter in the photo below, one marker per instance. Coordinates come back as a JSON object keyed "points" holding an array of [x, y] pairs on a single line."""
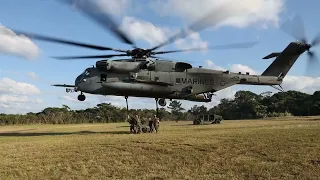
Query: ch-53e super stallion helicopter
{"points": [[143, 76]]}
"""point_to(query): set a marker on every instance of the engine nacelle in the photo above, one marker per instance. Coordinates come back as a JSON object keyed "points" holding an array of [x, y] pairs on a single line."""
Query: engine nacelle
{"points": [[119, 66], [162, 102]]}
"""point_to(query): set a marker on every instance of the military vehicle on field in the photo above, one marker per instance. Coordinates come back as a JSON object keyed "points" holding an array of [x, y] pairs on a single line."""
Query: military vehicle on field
{"points": [[207, 119]]}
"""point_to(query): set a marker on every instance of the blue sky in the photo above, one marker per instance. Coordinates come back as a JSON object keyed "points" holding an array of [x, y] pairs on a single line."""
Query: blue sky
{"points": [[52, 18]]}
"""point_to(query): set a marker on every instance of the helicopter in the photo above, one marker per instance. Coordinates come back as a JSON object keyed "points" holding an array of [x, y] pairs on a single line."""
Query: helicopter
{"points": [[148, 76]]}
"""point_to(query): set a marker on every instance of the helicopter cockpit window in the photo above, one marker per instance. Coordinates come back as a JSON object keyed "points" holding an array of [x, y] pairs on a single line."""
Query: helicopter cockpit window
{"points": [[86, 73]]}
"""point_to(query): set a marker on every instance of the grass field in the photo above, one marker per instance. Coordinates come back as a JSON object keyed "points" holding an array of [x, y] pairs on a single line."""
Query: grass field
{"points": [[256, 149]]}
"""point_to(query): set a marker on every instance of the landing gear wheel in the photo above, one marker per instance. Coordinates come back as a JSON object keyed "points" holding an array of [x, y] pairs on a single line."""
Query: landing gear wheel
{"points": [[162, 102], [81, 97]]}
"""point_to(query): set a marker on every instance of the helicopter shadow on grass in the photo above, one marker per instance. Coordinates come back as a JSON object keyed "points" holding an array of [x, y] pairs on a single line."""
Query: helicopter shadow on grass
{"points": [[125, 126], [181, 125], [17, 134], [190, 124]]}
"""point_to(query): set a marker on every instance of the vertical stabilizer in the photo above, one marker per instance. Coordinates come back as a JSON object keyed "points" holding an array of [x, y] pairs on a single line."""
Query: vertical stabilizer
{"points": [[284, 61]]}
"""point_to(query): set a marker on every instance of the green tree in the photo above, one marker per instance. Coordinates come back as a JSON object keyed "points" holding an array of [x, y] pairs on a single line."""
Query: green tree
{"points": [[245, 104], [196, 110], [176, 109], [248, 105]]}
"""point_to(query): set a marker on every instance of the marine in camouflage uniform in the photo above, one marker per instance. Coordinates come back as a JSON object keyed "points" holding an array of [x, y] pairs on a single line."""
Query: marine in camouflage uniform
{"points": [[156, 123], [132, 122], [138, 123], [151, 126]]}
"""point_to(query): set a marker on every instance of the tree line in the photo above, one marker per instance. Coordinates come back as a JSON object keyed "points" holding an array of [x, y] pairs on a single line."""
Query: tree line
{"points": [[244, 105]]}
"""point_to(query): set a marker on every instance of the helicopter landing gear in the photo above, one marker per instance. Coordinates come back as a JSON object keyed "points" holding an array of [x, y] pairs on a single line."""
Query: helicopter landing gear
{"points": [[81, 97], [126, 97], [162, 102], [157, 108]]}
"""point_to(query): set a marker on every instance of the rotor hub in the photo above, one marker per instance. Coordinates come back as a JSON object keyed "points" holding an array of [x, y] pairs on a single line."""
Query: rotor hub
{"points": [[308, 46], [140, 53]]}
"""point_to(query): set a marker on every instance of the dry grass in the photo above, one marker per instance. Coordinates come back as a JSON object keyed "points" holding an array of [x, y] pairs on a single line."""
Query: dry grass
{"points": [[258, 149]]}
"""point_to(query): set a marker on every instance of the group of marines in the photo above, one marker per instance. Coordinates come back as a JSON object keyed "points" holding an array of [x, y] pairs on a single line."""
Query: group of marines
{"points": [[136, 124]]}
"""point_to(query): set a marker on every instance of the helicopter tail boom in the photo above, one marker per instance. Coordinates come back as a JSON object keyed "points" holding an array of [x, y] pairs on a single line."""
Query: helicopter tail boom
{"points": [[284, 60]]}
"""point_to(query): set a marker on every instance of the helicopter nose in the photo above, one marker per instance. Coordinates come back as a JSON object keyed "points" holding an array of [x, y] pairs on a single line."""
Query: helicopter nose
{"points": [[77, 81]]}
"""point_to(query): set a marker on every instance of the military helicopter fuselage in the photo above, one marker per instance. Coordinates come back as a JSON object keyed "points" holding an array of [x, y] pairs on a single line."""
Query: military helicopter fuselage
{"points": [[192, 84], [163, 79], [167, 80]]}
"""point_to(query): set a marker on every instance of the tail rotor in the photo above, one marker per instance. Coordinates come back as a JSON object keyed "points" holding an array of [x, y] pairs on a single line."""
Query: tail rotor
{"points": [[295, 28]]}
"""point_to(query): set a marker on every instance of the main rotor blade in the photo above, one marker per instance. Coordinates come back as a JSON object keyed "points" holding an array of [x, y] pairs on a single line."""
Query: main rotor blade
{"points": [[295, 28], [62, 41], [89, 57], [316, 40], [92, 10], [226, 46], [212, 18]]}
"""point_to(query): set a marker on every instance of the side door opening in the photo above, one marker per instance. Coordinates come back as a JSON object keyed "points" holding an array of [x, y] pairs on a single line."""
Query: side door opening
{"points": [[103, 77]]}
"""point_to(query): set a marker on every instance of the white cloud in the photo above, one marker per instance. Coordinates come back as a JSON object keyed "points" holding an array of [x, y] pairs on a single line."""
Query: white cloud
{"points": [[137, 28], [144, 30], [15, 97], [28, 105], [242, 68], [117, 100], [233, 68], [225, 93], [18, 45], [70, 98], [211, 65], [7, 99], [301, 83], [115, 7], [32, 75], [9, 86], [72, 101], [192, 41], [240, 13], [154, 35]]}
